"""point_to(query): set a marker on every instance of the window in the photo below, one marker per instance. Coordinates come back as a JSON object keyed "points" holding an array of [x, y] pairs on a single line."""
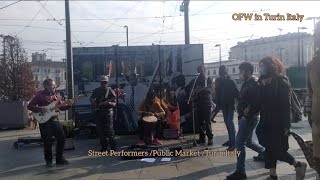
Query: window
{"points": [[233, 70], [57, 70], [208, 72], [58, 80], [214, 72], [36, 78], [45, 70], [48, 70]]}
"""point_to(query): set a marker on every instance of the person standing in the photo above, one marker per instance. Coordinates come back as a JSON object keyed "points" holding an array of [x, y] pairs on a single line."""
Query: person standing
{"points": [[52, 127], [135, 93], [276, 106], [203, 101], [103, 99], [313, 85], [248, 112], [226, 93]]}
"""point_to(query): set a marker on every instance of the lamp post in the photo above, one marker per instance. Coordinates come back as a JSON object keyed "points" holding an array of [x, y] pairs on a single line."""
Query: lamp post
{"points": [[219, 45], [127, 34], [299, 44], [314, 27]]}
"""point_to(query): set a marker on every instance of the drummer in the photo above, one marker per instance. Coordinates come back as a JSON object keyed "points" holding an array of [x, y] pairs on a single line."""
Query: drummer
{"points": [[150, 107]]}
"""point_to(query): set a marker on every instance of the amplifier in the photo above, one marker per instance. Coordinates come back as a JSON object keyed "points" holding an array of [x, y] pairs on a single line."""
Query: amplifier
{"points": [[171, 133]]}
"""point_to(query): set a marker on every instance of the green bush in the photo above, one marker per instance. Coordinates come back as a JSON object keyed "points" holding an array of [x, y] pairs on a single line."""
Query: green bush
{"points": [[68, 127]]}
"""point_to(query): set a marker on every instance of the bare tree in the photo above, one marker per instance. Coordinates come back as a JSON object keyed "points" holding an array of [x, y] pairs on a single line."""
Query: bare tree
{"points": [[16, 79]]}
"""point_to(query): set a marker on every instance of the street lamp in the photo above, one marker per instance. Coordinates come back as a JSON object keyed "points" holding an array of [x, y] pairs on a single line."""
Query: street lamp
{"points": [[219, 45], [127, 34], [299, 44], [314, 27]]}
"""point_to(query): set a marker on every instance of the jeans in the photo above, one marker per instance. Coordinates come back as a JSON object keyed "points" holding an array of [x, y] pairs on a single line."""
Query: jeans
{"points": [[228, 113], [244, 138], [47, 130]]}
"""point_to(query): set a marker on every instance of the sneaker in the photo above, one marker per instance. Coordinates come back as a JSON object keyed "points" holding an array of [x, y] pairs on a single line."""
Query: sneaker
{"points": [[231, 148], [237, 176], [141, 143], [62, 161], [210, 142], [48, 163], [301, 171], [201, 141], [226, 143], [156, 141]]}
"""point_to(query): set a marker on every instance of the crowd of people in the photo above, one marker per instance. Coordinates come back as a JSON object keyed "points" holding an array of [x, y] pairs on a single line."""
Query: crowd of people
{"points": [[264, 106]]}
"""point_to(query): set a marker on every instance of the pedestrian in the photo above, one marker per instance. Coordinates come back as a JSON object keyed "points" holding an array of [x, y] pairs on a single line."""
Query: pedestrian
{"points": [[103, 99], [276, 105], [52, 127], [313, 85], [248, 112], [226, 94]]}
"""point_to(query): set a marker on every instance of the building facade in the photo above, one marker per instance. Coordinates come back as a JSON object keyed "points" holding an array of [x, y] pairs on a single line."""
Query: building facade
{"points": [[284, 47], [38, 56], [212, 69], [44, 69]]}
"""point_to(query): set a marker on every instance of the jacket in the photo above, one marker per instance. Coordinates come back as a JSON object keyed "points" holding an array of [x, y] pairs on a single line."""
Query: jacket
{"points": [[249, 98], [276, 102], [226, 91]]}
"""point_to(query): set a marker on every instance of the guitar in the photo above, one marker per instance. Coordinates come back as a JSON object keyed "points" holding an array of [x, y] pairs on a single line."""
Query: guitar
{"points": [[53, 110], [104, 101]]}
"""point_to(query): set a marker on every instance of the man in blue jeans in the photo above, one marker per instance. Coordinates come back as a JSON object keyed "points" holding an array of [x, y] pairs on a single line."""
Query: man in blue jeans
{"points": [[226, 93], [248, 114]]}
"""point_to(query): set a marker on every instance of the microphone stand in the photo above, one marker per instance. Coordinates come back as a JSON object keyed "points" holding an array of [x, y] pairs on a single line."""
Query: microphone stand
{"points": [[193, 107]]}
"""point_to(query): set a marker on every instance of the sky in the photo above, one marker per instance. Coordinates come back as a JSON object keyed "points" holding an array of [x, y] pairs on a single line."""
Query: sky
{"points": [[41, 25]]}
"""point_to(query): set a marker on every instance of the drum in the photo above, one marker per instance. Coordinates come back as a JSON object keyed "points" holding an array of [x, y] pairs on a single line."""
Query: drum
{"points": [[149, 126]]}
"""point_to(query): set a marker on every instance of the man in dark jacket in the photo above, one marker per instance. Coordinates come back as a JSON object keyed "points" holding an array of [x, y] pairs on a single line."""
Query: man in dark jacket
{"points": [[226, 93], [204, 105], [103, 99], [202, 97], [248, 111]]}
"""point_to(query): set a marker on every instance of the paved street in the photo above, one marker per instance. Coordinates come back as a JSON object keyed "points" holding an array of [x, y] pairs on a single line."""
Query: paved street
{"points": [[29, 164]]}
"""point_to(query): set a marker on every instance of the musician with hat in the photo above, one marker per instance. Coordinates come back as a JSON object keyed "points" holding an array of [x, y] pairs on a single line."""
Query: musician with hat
{"points": [[103, 100], [150, 112]]}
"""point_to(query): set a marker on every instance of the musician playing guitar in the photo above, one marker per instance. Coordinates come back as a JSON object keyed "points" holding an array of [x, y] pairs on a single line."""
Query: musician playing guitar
{"points": [[52, 127], [103, 101]]}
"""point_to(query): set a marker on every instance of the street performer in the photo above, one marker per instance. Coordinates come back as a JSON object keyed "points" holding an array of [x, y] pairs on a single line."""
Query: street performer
{"points": [[149, 108], [202, 98], [103, 100], [52, 127]]}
